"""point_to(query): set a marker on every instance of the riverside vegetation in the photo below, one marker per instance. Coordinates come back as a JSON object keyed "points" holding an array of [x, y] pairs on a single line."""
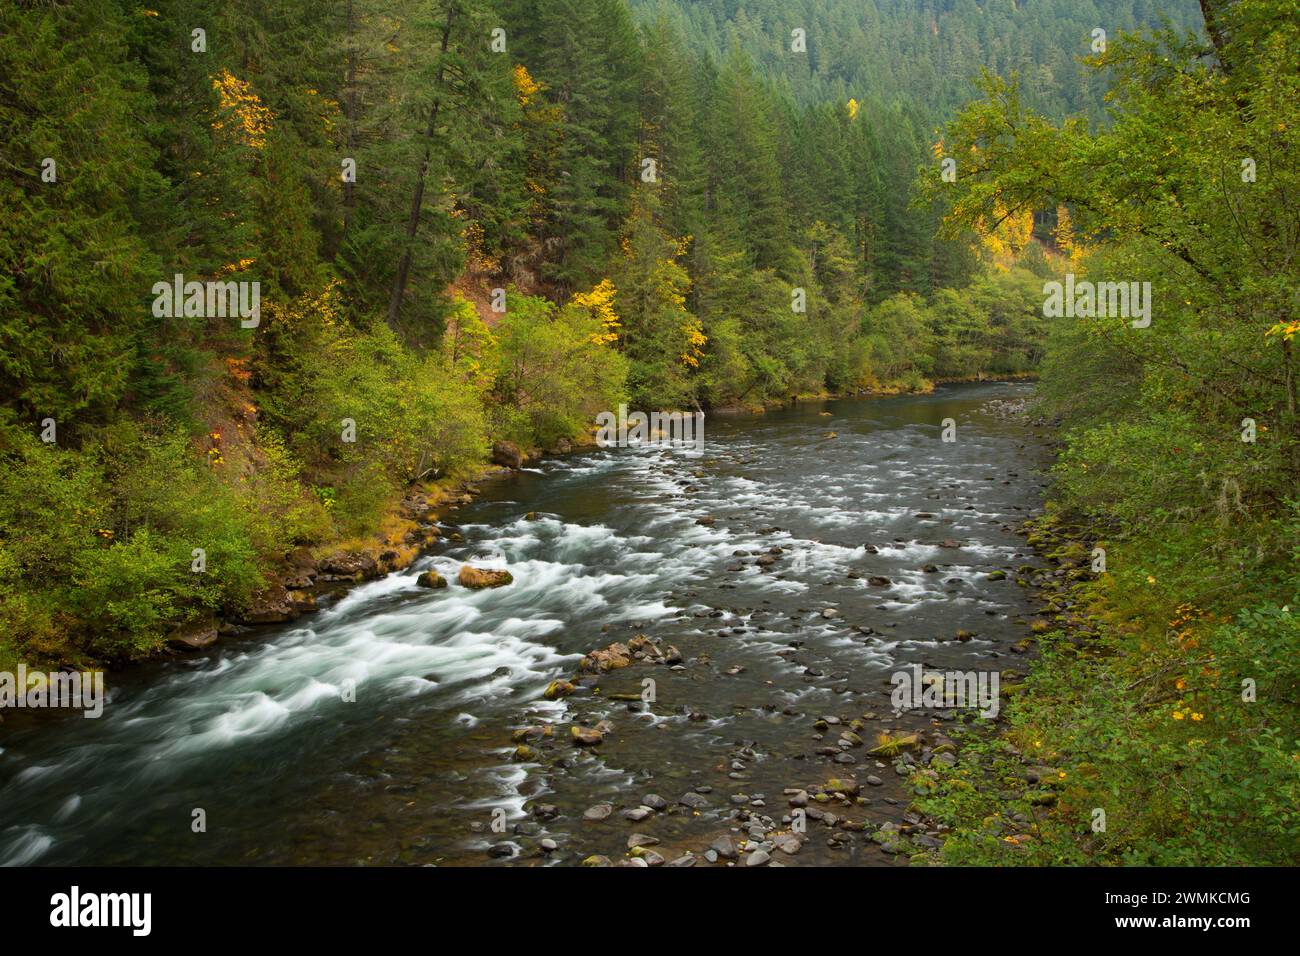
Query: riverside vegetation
{"points": [[1160, 725], [773, 246]]}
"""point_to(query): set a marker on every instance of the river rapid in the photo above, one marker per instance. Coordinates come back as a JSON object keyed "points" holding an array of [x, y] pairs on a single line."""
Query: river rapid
{"points": [[603, 545]]}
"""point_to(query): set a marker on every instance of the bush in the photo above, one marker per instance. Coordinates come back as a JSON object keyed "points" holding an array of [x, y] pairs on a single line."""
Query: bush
{"points": [[553, 375], [97, 543]]}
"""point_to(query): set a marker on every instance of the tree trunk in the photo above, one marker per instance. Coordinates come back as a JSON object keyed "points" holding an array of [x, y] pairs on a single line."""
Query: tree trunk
{"points": [[417, 198], [349, 197], [1210, 12]]}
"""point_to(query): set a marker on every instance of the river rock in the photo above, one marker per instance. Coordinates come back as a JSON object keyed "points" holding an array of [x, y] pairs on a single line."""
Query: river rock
{"points": [[725, 847], [471, 577], [557, 689], [845, 785], [271, 606], [348, 566], [194, 637], [586, 736], [614, 657], [507, 453], [431, 579], [600, 811]]}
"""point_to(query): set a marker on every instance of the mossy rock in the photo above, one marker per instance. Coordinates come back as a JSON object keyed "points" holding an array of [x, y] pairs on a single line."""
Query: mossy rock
{"points": [[557, 689], [887, 746]]}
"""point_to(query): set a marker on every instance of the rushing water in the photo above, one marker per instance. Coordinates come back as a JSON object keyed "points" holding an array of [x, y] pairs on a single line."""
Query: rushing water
{"points": [[255, 732]]}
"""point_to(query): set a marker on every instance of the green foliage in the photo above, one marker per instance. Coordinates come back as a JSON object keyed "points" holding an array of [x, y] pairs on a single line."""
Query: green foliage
{"points": [[1153, 726], [367, 415], [553, 375], [98, 544], [925, 52], [897, 334]]}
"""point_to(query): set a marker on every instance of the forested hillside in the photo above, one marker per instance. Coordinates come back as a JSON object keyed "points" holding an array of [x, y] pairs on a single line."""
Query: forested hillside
{"points": [[922, 54]]}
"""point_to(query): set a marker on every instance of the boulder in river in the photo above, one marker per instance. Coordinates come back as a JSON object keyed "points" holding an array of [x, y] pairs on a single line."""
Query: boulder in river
{"points": [[725, 847], [431, 579], [557, 689], [586, 736], [471, 577], [616, 656]]}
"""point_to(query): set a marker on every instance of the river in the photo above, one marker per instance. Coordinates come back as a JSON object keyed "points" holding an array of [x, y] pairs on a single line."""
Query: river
{"points": [[603, 545]]}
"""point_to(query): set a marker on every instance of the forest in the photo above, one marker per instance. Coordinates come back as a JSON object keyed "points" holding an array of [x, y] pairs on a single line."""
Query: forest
{"points": [[468, 222], [475, 222]]}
